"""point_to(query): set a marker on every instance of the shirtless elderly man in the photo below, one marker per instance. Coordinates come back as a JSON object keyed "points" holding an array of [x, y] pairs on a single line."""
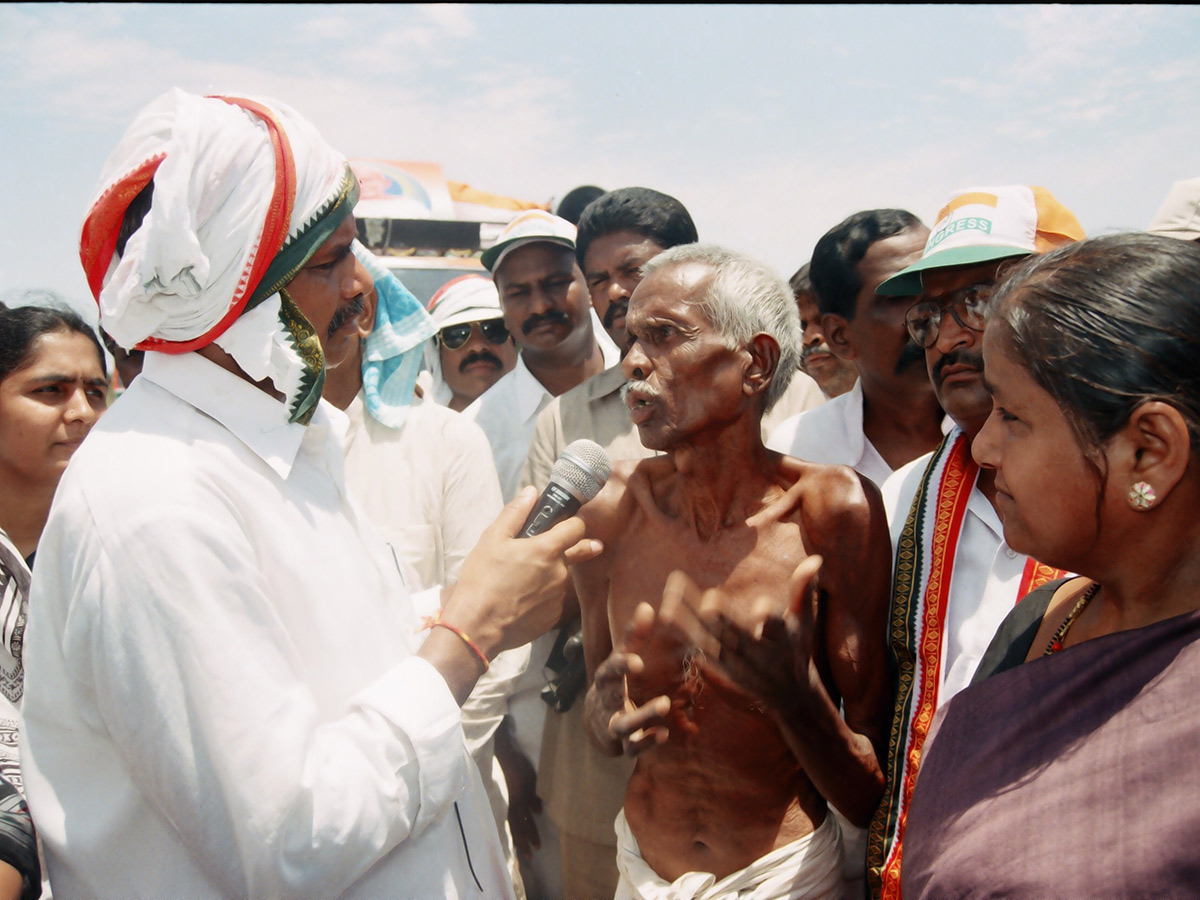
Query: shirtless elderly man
{"points": [[730, 699]]}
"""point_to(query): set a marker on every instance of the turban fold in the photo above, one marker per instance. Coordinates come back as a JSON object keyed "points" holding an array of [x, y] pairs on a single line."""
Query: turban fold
{"points": [[244, 192]]}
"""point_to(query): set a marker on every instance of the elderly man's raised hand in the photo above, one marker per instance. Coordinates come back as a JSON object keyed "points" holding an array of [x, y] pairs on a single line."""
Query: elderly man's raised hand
{"points": [[629, 704], [767, 652], [614, 719]]}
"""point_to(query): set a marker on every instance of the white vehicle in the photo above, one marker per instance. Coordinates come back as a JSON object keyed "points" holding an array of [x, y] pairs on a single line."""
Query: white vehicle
{"points": [[426, 229]]}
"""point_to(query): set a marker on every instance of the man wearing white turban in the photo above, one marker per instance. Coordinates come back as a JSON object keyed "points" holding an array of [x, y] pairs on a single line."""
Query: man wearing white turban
{"points": [[229, 691]]}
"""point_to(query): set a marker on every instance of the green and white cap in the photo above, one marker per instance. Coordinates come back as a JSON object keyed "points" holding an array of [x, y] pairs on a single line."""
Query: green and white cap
{"points": [[982, 224]]}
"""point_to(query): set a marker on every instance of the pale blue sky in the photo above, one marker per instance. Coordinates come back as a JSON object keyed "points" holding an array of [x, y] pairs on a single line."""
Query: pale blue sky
{"points": [[770, 123]]}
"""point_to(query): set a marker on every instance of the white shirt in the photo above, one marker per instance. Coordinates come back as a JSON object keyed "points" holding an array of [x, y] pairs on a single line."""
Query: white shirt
{"points": [[984, 582], [430, 487], [222, 697], [833, 433], [802, 394], [507, 412]]}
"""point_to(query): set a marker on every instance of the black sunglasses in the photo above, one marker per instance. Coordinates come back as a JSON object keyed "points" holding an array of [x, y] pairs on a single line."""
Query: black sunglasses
{"points": [[455, 336]]}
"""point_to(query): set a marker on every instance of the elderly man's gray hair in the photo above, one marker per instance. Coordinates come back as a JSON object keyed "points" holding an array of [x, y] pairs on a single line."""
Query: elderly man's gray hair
{"points": [[743, 299]]}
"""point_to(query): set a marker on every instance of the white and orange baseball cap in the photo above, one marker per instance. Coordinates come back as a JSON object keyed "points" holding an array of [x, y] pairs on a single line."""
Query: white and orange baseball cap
{"points": [[982, 224], [530, 227]]}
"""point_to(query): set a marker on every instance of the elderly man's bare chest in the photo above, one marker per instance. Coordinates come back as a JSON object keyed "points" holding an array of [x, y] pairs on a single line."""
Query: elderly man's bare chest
{"points": [[746, 561]]}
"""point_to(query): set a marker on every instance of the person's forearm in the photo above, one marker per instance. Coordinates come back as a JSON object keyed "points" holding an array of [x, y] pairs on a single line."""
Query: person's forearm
{"points": [[840, 762], [448, 651]]}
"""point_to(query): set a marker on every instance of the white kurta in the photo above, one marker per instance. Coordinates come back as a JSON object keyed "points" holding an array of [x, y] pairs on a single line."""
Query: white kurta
{"points": [[833, 433], [223, 698], [984, 582], [429, 487]]}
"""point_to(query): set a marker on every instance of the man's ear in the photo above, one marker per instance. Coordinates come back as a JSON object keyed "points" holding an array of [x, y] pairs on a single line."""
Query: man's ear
{"points": [[366, 319], [764, 361], [836, 330], [1152, 448]]}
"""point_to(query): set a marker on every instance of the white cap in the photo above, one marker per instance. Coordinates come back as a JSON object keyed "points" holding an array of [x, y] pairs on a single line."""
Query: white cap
{"points": [[467, 298], [530, 227]]}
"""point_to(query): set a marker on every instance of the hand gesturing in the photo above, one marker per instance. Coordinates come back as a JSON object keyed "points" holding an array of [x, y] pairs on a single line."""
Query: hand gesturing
{"points": [[772, 656]]}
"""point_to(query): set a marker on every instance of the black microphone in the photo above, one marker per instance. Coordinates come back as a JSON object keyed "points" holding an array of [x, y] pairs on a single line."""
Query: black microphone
{"points": [[576, 478]]}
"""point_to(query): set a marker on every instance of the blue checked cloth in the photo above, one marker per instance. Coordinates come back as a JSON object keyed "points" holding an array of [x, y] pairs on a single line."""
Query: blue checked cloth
{"points": [[393, 351]]}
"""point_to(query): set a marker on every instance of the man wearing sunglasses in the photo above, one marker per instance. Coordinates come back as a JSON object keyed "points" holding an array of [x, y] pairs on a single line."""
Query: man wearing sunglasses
{"points": [[951, 601], [473, 348]]}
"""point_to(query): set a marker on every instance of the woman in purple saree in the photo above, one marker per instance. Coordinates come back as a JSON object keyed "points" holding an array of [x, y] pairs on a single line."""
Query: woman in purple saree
{"points": [[1071, 767]]}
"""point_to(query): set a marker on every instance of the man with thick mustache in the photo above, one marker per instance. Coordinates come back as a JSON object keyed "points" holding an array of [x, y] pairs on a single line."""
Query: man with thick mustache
{"points": [[619, 233], [955, 578], [834, 375], [231, 691], [890, 416], [472, 349], [546, 309]]}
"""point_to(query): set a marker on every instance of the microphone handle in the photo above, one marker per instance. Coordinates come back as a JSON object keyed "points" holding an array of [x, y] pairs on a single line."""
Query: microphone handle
{"points": [[555, 504]]}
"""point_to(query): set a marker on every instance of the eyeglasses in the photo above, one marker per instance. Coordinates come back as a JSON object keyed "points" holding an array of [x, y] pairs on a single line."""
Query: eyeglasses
{"points": [[967, 305], [455, 336]]}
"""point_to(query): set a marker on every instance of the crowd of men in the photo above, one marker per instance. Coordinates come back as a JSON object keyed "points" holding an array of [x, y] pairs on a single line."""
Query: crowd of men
{"points": [[716, 681]]}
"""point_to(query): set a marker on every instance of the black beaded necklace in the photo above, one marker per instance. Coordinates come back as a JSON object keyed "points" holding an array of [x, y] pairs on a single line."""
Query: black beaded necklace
{"points": [[1056, 642]]}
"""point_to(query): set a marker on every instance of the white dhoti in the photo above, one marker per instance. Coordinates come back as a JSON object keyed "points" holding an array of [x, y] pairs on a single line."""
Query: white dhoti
{"points": [[806, 869]]}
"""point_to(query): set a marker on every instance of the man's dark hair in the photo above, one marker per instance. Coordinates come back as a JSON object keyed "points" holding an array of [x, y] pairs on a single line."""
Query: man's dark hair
{"points": [[835, 259], [575, 201], [655, 215], [801, 282]]}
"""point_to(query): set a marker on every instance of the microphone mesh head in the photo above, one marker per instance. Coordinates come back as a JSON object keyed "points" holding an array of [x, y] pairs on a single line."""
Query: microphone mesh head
{"points": [[582, 468]]}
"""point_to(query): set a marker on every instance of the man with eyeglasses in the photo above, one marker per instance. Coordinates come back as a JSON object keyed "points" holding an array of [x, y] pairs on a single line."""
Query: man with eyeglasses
{"points": [[472, 349], [955, 578]]}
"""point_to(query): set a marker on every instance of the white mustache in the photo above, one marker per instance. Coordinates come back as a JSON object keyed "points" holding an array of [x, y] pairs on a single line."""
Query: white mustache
{"points": [[644, 388]]}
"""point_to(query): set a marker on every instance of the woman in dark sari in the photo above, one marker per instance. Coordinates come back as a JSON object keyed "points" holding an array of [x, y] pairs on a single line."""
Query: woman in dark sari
{"points": [[1070, 767]]}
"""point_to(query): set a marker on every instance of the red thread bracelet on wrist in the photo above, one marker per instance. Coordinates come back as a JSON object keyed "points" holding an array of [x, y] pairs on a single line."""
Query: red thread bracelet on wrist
{"points": [[437, 622]]}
